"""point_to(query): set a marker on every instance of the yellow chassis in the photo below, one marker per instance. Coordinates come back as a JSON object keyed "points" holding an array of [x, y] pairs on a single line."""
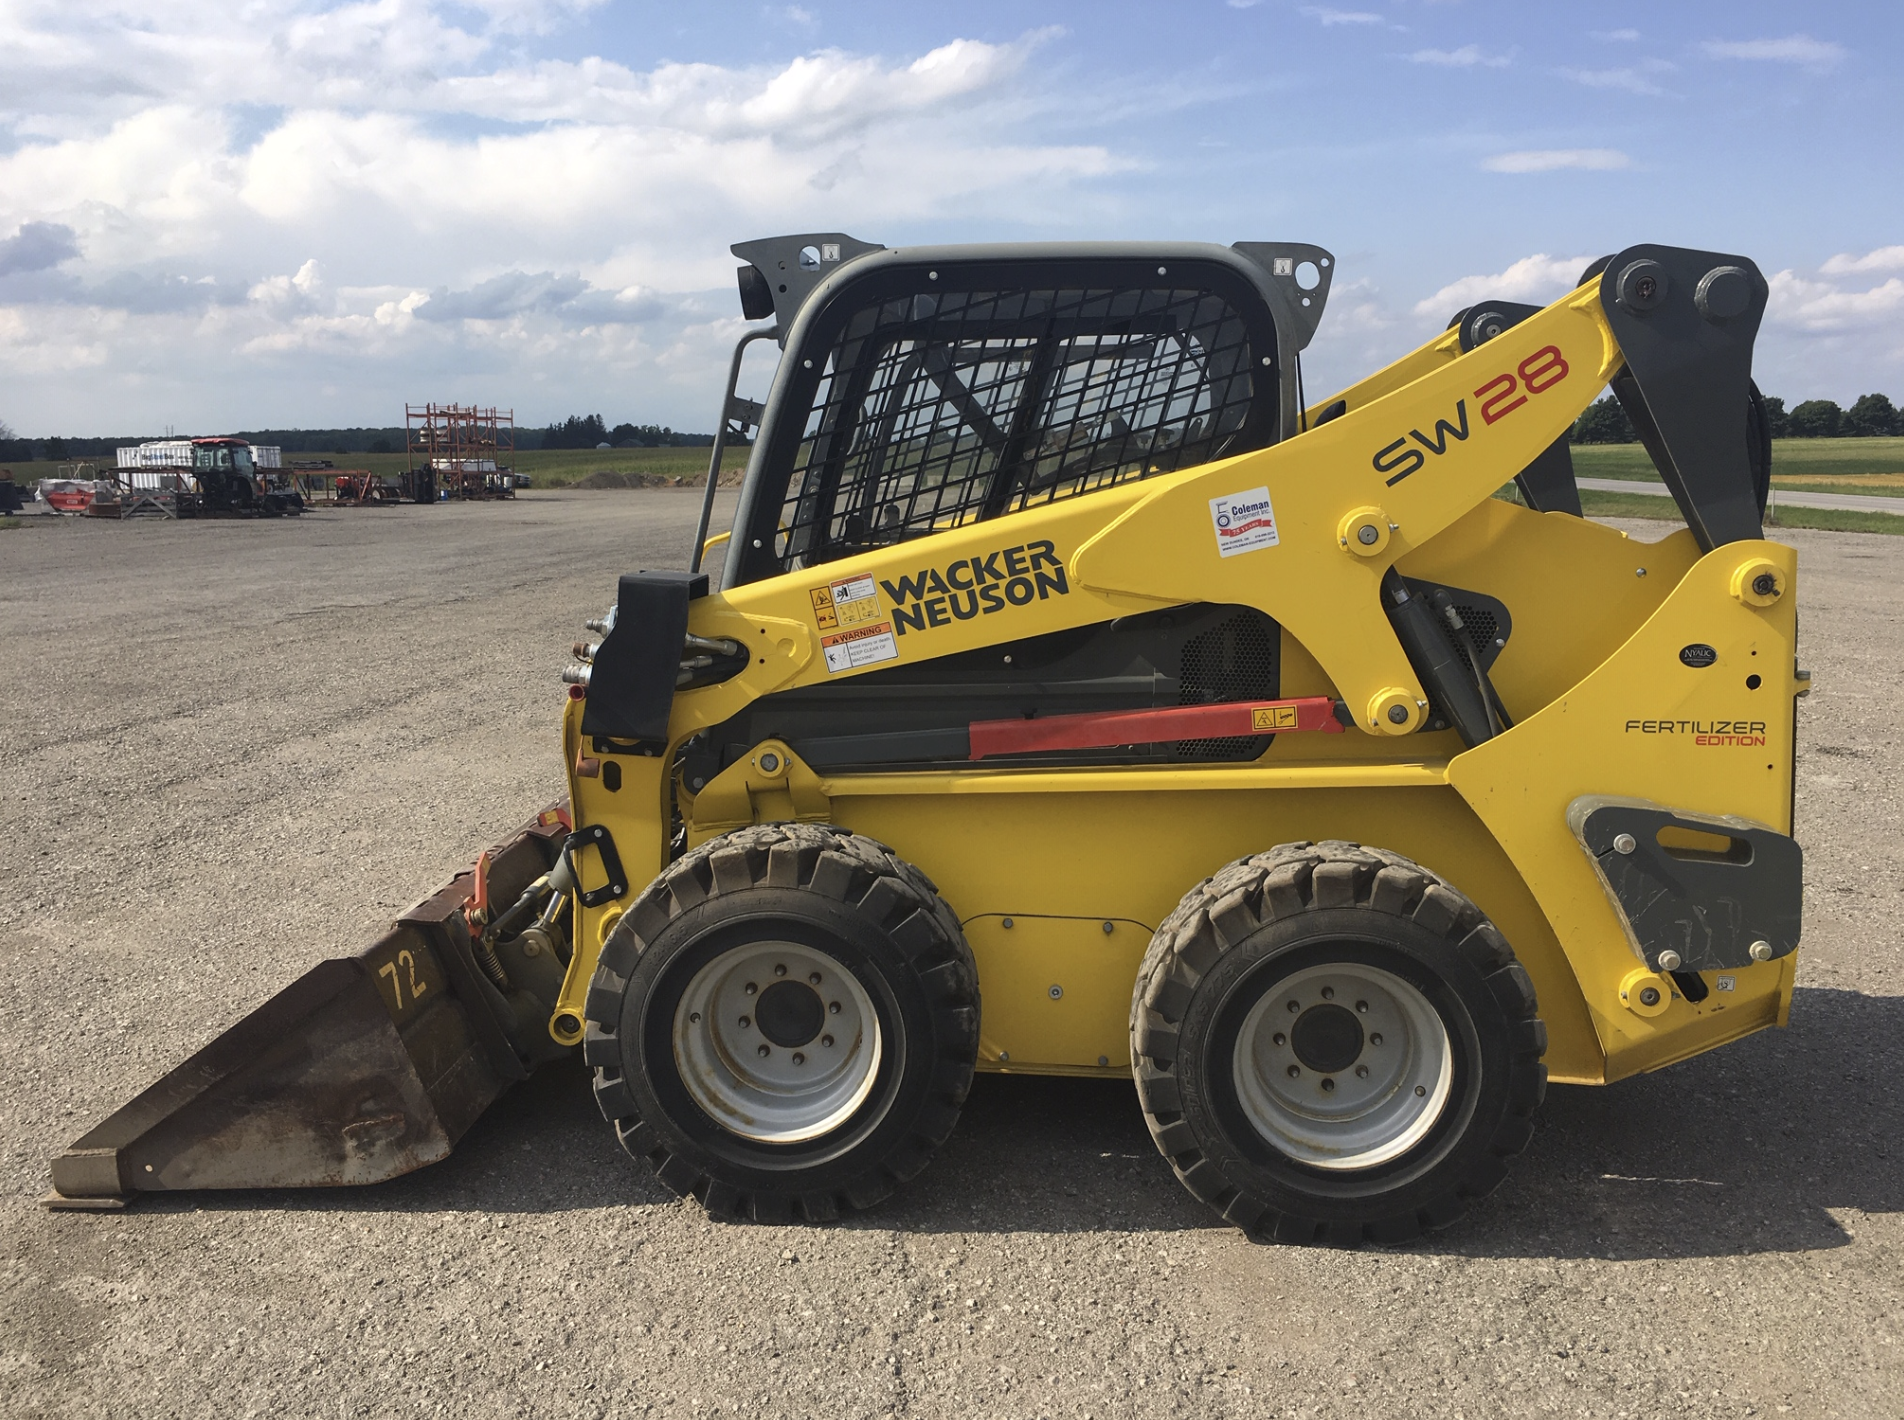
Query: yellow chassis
{"points": [[1060, 876]]}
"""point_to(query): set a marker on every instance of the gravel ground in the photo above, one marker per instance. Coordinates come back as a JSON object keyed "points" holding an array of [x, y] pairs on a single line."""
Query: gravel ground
{"points": [[232, 749]]}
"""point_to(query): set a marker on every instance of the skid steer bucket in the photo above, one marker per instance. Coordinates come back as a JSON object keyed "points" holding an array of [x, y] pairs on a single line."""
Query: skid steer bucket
{"points": [[362, 1069]]}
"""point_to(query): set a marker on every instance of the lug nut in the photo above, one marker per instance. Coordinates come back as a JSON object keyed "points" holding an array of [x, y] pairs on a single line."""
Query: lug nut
{"points": [[745, 1021], [751, 988], [1421, 1091], [1295, 1071], [1328, 1084], [826, 1040], [798, 1058], [779, 970], [1294, 1006], [832, 1008], [813, 978], [1328, 993], [1375, 1039], [763, 1052], [1279, 1038], [1361, 1072], [694, 1018], [1361, 1008]]}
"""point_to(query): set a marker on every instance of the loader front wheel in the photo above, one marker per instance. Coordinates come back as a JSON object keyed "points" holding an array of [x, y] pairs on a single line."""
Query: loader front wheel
{"points": [[1332, 1044], [785, 1024]]}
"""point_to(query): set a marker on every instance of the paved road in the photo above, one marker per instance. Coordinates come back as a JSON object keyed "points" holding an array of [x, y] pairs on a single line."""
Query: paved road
{"points": [[230, 750], [1791, 498]]}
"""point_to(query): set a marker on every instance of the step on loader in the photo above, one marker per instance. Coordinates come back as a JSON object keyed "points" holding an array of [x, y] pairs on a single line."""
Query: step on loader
{"points": [[1077, 699]]}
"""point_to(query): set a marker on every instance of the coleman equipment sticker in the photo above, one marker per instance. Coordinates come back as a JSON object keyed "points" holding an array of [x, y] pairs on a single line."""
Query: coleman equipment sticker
{"points": [[1244, 522], [861, 634]]}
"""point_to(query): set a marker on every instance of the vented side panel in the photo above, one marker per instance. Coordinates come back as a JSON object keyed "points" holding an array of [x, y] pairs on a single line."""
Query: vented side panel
{"points": [[1237, 660]]}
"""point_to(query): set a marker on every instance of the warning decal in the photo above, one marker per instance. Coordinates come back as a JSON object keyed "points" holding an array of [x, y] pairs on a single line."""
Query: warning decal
{"points": [[1273, 717], [1244, 522], [862, 634], [863, 646]]}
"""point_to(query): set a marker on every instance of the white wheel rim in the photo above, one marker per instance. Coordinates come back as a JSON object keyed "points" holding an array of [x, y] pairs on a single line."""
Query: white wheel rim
{"points": [[1336, 1100], [752, 1067]]}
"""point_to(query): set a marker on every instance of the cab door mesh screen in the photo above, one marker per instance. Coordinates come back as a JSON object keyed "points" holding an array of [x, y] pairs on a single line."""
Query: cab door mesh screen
{"points": [[936, 410]]}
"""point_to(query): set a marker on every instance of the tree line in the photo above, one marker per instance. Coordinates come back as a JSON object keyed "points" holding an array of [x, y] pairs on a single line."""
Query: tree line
{"points": [[1871, 416], [590, 431]]}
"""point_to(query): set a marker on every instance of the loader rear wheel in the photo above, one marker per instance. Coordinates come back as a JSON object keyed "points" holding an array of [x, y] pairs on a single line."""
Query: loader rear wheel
{"points": [[785, 1023], [1331, 1044]]}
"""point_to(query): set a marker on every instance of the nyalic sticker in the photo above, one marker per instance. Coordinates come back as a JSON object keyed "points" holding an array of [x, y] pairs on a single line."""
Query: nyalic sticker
{"points": [[854, 628], [1244, 522]]}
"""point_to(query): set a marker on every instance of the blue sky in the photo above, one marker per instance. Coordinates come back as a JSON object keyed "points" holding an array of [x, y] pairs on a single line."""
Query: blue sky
{"points": [[284, 213]]}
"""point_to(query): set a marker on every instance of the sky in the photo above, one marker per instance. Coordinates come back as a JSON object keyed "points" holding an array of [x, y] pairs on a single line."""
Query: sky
{"points": [[287, 213]]}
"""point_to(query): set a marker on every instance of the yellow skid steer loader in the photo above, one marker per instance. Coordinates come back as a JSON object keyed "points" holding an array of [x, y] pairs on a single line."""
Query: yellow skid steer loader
{"points": [[1076, 700]]}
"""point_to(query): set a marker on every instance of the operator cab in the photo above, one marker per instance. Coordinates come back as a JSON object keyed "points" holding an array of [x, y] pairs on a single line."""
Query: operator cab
{"points": [[222, 455], [926, 388]]}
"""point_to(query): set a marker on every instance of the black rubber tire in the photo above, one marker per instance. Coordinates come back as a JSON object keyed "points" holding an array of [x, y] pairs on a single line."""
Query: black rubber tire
{"points": [[1233, 938], [875, 913]]}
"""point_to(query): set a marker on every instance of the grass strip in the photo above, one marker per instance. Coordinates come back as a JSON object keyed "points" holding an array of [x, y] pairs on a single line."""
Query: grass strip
{"points": [[1643, 505]]}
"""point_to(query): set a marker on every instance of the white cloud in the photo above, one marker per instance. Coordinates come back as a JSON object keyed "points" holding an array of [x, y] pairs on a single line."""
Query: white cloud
{"points": [[1467, 57], [1816, 55], [354, 191], [1535, 279], [1828, 307], [1883, 259], [1548, 160], [1330, 17], [1828, 337], [1627, 36], [297, 294], [1641, 78]]}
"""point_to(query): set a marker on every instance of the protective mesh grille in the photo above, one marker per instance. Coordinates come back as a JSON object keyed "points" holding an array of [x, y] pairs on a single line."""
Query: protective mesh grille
{"points": [[1475, 639], [934, 411], [1234, 660]]}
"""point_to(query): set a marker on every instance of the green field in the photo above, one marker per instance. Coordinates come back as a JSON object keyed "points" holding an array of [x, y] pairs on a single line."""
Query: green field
{"points": [[1813, 465]]}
